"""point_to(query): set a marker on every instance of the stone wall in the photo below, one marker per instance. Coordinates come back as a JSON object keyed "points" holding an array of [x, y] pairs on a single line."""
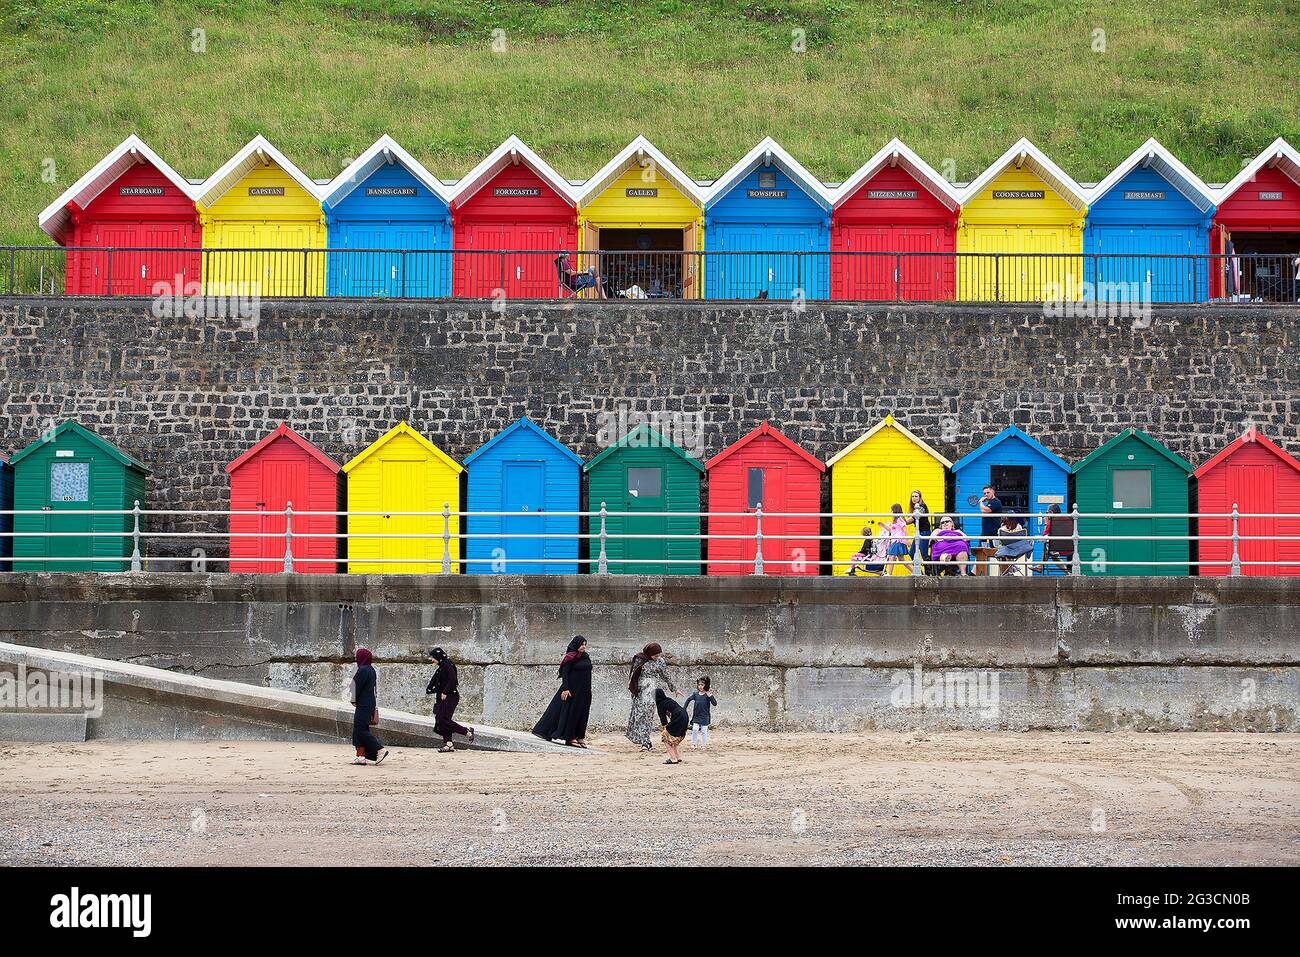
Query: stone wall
{"points": [[188, 395], [814, 654]]}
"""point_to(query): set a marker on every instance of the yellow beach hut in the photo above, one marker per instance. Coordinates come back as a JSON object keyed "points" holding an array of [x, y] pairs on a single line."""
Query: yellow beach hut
{"points": [[402, 472], [877, 471], [262, 221], [642, 213], [1029, 212]]}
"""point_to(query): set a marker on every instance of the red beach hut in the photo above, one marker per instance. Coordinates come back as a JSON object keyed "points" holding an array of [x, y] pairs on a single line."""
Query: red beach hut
{"points": [[899, 210], [764, 468], [282, 468], [1262, 479], [1258, 215], [136, 204], [513, 200]]}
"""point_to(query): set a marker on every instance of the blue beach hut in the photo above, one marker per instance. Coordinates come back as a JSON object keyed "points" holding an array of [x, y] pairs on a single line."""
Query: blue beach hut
{"points": [[386, 200], [1027, 476], [523, 469], [767, 203], [1155, 213]]}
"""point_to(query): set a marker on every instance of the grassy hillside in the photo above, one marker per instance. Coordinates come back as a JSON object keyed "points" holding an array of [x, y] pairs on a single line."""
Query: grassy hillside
{"points": [[704, 79]]}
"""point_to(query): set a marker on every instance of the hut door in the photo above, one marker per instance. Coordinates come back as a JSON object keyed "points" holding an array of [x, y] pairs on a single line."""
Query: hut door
{"points": [[1251, 488], [70, 492], [765, 485], [645, 494], [523, 490], [691, 263], [283, 482], [403, 490], [1131, 490]]}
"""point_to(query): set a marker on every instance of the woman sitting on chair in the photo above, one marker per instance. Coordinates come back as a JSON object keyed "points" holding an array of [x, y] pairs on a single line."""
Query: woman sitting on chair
{"points": [[950, 547]]}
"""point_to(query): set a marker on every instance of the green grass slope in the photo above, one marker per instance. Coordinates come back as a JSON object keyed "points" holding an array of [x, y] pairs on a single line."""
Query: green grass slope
{"points": [[704, 79]]}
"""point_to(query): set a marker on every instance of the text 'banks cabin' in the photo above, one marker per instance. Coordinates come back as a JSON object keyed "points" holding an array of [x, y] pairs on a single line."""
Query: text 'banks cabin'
{"points": [[767, 225], [1142, 487], [880, 469], [1257, 225], [263, 227], [894, 230], [399, 474], [1148, 231], [645, 218], [1026, 215], [641, 478], [63, 477], [765, 469], [1262, 482], [389, 227], [1027, 477], [525, 472], [282, 469], [134, 204], [512, 201]]}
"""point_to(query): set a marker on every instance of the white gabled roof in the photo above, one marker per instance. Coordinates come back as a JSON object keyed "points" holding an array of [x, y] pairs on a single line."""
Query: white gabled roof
{"points": [[897, 153], [1025, 153], [639, 150], [511, 152], [1152, 154], [768, 152], [256, 152], [55, 218], [1279, 153], [888, 422], [384, 150]]}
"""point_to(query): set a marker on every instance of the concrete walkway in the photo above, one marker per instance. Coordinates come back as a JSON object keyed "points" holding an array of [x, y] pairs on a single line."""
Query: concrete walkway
{"points": [[146, 703]]}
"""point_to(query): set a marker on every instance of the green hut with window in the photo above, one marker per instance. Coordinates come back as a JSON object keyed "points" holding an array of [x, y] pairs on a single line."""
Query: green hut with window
{"points": [[1136, 480], [62, 476], [645, 476]]}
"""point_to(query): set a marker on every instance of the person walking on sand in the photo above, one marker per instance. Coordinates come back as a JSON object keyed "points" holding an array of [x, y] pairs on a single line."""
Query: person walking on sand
{"points": [[445, 687], [672, 722], [364, 682], [649, 674], [566, 716]]}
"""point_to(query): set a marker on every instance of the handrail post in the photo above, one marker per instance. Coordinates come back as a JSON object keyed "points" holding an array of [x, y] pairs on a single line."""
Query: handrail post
{"points": [[602, 563], [758, 539], [1236, 541], [1076, 567], [403, 274], [918, 539], [446, 538], [136, 564], [898, 277], [288, 537], [109, 290], [305, 264]]}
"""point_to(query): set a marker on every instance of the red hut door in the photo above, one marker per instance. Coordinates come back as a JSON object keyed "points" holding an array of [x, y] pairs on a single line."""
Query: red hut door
{"points": [[1251, 487], [283, 481], [764, 484]]}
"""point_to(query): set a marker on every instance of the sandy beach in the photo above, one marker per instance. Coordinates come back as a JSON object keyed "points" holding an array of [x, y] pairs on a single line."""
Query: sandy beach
{"points": [[753, 798]]}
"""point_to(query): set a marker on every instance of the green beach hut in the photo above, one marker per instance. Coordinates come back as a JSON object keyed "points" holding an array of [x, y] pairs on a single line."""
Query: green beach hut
{"points": [[645, 475], [1135, 478], [67, 471]]}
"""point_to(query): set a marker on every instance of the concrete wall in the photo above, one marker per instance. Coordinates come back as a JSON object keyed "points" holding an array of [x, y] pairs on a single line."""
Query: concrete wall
{"points": [[186, 395], [823, 654]]}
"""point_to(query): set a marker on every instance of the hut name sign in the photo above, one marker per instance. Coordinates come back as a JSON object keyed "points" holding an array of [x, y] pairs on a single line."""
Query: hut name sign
{"points": [[891, 194], [141, 191], [767, 194], [266, 191], [1155, 194], [1018, 194], [517, 191], [642, 192], [390, 190]]}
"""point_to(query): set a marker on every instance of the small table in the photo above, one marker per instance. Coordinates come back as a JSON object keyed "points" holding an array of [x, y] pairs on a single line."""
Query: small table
{"points": [[981, 555]]}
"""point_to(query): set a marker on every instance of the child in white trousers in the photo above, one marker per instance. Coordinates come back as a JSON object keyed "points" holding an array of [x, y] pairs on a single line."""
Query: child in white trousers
{"points": [[702, 716]]}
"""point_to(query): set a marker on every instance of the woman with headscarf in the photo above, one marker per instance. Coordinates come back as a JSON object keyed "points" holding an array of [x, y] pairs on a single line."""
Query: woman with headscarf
{"points": [[445, 686], [566, 716], [672, 722], [369, 747], [649, 673]]}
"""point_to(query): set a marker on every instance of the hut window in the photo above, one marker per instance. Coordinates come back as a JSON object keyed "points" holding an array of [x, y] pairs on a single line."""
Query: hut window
{"points": [[767, 181], [755, 488], [1131, 488], [645, 483], [70, 482]]}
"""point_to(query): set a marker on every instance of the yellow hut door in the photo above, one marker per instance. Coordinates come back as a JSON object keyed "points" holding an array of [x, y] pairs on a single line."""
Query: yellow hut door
{"points": [[400, 478], [691, 262], [591, 243]]}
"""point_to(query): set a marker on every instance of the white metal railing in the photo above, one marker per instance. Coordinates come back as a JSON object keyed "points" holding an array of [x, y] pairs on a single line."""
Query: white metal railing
{"points": [[600, 539]]}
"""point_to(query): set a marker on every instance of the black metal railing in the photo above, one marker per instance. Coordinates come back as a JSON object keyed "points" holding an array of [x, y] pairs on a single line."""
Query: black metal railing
{"points": [[1114, 279]]}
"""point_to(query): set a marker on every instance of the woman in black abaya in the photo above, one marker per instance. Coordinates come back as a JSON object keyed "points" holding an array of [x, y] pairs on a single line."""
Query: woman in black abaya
{"points": [[566, 716], [445, 687], [366, 715]]}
